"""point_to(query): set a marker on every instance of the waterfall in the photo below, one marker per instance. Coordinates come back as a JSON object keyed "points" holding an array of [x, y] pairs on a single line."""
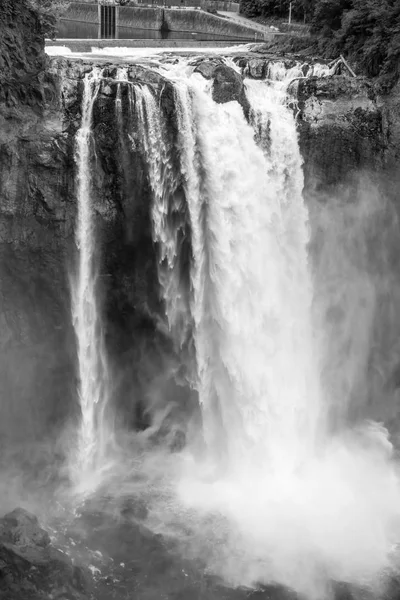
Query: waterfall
{"points": [[168, 210], [273, 496], [251, 287], [92, 363]]}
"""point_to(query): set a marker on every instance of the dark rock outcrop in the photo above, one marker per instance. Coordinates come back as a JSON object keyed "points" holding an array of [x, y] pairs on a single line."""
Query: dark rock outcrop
{"points": [[22, 58], [346, 126], [347, 111], [207, 67], [36, 347], [31, 568], [228, 85]]}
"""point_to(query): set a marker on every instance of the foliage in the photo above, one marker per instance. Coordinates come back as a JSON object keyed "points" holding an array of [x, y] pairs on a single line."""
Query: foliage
{"points": [[48, 12], [301, 9], [367, 31], [327, 14]]}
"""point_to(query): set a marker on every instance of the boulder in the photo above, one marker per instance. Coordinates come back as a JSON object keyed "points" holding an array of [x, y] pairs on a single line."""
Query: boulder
{"points": [[30, 567], [228, 86], [256, 68], [21, 528], [207, 67]]}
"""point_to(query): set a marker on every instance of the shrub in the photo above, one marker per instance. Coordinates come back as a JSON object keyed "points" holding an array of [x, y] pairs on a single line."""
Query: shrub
{"points": [[48, 12]]}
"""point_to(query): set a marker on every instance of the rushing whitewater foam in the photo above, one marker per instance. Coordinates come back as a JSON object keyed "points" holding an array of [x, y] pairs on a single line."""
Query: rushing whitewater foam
{"points": [[252, 293], [281, 499], [272, 496], [279, 71], [167, 209], [93, 434]]}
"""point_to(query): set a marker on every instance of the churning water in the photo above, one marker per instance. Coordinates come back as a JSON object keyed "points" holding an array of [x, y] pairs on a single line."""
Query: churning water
{"points": [[271, 495]]}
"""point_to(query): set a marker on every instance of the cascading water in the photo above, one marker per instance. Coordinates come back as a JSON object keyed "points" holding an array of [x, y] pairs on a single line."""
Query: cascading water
{"points": [[299, 506], [275, 497], [93, 434], [252, 291], [163, 183]]}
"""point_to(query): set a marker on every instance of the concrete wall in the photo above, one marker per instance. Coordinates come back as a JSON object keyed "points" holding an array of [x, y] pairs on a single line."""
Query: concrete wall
{"points": [[202, 22], [141, 17], [80, 11], [172, 19], [223, 5]]}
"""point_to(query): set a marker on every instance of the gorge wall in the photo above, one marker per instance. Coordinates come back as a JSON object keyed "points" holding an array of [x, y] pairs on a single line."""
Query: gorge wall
{"points": [[346, 129], [36, 362]]}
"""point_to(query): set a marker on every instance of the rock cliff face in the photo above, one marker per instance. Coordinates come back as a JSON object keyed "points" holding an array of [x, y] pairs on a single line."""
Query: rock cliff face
{"points": [[35, 214], [359, 124], [350, 142]]}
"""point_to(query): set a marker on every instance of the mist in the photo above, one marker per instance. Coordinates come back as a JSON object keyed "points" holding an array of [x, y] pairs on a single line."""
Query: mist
{"points": [[334, 515]]}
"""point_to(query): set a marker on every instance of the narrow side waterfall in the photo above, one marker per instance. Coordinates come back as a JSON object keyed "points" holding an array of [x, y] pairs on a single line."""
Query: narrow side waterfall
{"points": [[92, 362], [167, 207]]}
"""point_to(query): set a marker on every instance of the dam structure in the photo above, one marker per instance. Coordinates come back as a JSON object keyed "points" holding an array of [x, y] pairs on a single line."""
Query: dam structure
{"points": [[108, 20]]}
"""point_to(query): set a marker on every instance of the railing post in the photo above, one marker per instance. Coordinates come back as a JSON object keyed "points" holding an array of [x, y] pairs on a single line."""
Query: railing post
{"points": [[99, 18]]}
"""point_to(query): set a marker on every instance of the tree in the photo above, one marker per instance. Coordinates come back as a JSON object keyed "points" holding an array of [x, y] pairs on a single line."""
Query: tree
{"points": [[328, 15], [48, 12], [277, 8], [366, 30]]}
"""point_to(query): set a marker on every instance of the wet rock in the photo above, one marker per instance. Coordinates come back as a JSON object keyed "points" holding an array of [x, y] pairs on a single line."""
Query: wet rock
{"points": [[256, 68], [346, 112], [21, 528], [207, 67], [228, 86], [351, 90], [108, 90], [139, 73], [22, 55], [30, 567], [110, 72]]}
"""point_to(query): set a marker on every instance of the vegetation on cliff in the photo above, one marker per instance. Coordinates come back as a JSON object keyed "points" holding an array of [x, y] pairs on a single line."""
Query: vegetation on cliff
{"points": [[367, 31], [48, 11]]}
